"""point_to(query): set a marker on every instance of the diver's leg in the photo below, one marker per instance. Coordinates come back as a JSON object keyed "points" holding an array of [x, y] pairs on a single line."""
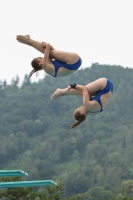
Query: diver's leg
{"points": [[68, 57], [33, 43], [62, 92]]}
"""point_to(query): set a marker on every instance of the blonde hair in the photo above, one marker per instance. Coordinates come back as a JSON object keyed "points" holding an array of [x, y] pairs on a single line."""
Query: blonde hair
{"points": [[79, 117]]}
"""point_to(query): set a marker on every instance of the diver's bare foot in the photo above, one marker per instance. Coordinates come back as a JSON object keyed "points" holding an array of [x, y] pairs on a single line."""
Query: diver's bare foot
{"points": [[25, 39], [56, 94]]}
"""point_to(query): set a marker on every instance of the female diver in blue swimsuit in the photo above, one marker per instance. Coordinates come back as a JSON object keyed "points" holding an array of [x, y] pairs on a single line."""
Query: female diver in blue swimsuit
{"points": [[96, 96], [54, 62]]}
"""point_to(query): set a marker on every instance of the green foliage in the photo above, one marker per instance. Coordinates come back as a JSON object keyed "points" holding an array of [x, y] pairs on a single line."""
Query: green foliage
{"points": [[98, 153]]}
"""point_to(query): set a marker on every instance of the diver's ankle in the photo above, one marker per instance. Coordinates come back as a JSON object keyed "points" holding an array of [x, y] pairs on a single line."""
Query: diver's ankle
{"points": [[28, 39]]}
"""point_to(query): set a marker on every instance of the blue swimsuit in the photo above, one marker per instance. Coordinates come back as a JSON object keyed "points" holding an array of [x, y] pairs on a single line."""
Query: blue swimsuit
{"points": [[108, 88], [57, 64]]}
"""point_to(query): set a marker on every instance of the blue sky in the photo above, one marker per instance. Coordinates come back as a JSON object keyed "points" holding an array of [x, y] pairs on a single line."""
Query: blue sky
{"points": [[98, 30]]}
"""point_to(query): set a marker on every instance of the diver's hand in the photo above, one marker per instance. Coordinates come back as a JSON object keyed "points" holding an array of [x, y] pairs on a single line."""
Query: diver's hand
{"points": [[43, 44]]}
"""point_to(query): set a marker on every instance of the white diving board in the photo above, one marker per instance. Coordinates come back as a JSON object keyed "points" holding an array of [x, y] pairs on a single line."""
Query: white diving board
{"points": [[26, 184], [12, 173]]}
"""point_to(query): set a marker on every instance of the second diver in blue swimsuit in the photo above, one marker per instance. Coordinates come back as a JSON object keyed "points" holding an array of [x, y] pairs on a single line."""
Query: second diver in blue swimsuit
{"points": [[96, 96]]}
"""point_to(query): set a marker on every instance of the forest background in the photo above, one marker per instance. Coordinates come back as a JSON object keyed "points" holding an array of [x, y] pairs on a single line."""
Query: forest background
{"points": [[95, 158]]}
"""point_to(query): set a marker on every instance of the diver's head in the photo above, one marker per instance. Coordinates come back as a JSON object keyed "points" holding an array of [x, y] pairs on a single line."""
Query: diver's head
{"points": [[36, 63], [80, 115]]}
